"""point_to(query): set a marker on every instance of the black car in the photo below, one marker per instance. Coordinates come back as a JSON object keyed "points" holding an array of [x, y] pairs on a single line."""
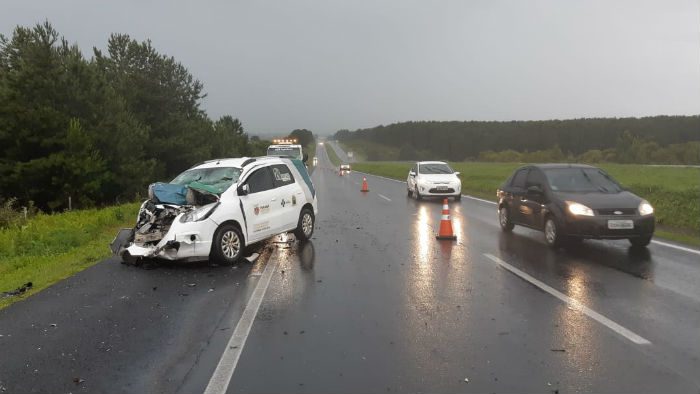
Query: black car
{"points": [[570, 202]]}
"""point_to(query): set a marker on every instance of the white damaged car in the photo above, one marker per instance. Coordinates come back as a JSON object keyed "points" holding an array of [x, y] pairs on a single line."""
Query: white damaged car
{"points": [[216, 208]]}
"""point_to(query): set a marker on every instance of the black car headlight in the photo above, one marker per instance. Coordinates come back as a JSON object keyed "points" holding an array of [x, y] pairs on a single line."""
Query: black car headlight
{"points": [[199, 214], [579, 209], [645, 208]]}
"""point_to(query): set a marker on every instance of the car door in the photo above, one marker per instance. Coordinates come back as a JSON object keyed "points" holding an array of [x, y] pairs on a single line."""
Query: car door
{"points": [[290, 197], [531, 203], [517, 194], [260, 204]]}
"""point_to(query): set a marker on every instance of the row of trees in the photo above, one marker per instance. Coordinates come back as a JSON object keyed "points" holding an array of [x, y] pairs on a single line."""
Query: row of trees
{"points": [[659, 139], [100, 129]]}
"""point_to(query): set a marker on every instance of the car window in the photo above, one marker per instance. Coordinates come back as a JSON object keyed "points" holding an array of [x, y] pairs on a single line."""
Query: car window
{"points": [[535, 178], [282, 175], [519, 178], [583, 180], [260, 180], [436, 168]]}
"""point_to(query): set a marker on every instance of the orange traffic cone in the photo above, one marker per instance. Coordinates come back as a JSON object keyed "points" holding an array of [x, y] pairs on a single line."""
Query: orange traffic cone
{"points": [[365, 189], [446, 224]]}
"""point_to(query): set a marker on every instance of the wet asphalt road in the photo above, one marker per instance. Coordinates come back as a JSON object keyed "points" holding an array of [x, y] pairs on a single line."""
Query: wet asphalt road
{"points": [[373, 304]]}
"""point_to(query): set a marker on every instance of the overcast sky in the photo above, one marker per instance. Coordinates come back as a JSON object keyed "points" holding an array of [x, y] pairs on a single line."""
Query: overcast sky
{"points": [[326, 65]]}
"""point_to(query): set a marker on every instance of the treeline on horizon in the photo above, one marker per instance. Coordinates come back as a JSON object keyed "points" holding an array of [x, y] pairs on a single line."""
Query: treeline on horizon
{"points": [[657, 139], [100, 129]]}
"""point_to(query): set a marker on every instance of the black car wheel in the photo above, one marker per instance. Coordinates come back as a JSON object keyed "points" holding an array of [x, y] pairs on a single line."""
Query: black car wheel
{"points": [[640, 242], [305, 226], [228, 244], [504, 219], [418, 196], [552, 232], [458, 197]]}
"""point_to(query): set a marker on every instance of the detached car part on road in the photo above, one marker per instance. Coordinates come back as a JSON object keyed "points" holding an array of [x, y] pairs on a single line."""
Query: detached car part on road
{"points": [[433, 179], [215, 209], [570, 202]]}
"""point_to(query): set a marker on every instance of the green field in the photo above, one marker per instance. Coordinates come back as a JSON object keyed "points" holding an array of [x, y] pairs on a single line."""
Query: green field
{"points": [[673, 191], [49, 248]]}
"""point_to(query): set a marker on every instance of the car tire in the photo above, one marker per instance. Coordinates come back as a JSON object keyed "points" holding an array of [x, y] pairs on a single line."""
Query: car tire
{"points": [[410, 193], [458, 197], [504, 219], [418, 196], [305, 226], [640, 242], [552, 233], [228, 244]]}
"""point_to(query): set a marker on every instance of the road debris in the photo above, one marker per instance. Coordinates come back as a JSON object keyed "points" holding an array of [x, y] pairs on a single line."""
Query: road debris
{"points": [[210, 290], [191, 284], [53, 325], [466, 380], [558, 350], [78, 380], [18, 291]]}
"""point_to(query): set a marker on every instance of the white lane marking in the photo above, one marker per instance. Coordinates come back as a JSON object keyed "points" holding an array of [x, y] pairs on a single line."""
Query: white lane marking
{"points": [[384, 197], [379, 176], [479, 199], [218, 384], [572, 303], [689, 250]]}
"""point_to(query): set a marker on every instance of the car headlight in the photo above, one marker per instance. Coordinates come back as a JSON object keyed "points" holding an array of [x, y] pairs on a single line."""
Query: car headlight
{"points": [[579, 209], [199, 214], [645, 208]]}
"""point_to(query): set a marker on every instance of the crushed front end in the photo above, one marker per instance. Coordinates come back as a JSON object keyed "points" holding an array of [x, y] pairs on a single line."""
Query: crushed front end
{"points": [[169, 230]]}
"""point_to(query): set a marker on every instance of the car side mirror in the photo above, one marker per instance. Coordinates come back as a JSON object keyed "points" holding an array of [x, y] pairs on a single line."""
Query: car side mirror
{"points": [[305, 157], [535, 190], [243, 190]]}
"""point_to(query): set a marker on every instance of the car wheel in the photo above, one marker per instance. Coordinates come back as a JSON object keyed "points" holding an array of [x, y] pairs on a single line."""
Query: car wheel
{"points": [[458, 197], [640, 242], [418, 196], [552, 232], [305, 226], [410, 194], [504, 219], [228, 244]]}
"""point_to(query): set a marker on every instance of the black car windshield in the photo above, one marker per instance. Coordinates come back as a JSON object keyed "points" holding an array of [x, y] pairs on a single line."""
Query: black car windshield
{"points": [[219, 178], [435, 168], [581, 180]]}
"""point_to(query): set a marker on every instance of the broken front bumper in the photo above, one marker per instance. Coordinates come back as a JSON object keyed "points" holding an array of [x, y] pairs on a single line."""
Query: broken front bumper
{"points": [[184, 241]]}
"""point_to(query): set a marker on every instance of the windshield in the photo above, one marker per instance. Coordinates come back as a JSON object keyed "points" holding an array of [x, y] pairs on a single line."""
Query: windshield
{"points": [[437, 168], [581, 180], [219, 178], [287, 151]]}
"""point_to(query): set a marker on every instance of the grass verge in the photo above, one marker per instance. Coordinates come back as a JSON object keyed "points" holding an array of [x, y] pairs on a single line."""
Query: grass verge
{"points": [[333, 156], [674, 192], [49, 248]]}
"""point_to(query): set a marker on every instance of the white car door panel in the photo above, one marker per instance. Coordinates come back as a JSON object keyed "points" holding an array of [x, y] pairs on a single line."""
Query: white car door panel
{"points": [[260, 205]]}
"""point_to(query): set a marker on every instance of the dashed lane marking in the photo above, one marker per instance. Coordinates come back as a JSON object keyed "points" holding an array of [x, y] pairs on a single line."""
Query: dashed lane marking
{"points": [[384, 197], [572, 303]]}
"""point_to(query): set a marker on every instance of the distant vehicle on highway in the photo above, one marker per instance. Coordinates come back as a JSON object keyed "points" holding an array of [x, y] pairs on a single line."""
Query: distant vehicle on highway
{"points": [[433, 179], [570, 202], [217, 208], [344, 169], [287, 148], [315, 160]]}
